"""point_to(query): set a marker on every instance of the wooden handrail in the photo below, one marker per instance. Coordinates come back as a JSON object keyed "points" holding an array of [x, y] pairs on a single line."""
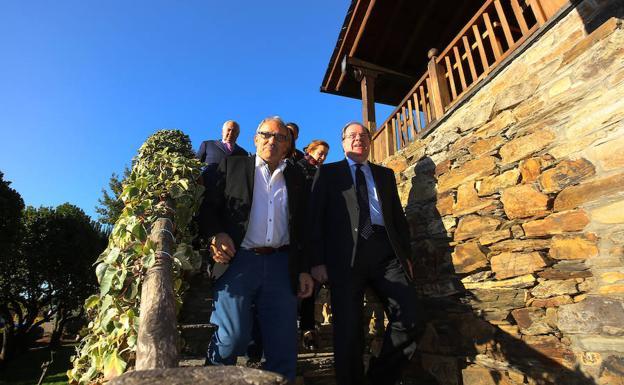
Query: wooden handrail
{"points": [[405, 99], [468, 25], [497, 29]]}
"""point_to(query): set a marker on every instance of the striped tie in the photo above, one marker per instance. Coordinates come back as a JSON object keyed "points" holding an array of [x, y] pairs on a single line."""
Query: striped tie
{"points": [[364, 221]]}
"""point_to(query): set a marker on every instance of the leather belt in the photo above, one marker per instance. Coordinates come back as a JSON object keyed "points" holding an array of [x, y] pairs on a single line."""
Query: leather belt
{"points": [[269, 250]]}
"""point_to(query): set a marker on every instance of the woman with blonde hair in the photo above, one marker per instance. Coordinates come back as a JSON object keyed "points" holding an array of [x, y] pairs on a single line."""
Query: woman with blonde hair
{"points": [[315, 155]]}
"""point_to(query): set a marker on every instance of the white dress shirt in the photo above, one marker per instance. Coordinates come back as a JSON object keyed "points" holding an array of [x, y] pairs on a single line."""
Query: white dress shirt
{"points": [[373, 197], [268, 219]]}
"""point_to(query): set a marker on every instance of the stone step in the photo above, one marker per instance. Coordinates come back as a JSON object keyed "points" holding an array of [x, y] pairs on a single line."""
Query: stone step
{"points": [[195, 338], [198, 300]]}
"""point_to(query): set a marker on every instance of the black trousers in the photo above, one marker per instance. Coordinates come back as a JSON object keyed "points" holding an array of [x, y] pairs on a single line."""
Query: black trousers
{"points": [[375, 266], [306, 313]]}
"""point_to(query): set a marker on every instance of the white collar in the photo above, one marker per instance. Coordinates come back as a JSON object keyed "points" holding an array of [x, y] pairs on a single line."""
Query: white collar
{"points": [[260, 162]]}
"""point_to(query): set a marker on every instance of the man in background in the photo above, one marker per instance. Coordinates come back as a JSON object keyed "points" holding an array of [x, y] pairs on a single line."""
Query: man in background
{"points": [[296, 155], [212, 152]]}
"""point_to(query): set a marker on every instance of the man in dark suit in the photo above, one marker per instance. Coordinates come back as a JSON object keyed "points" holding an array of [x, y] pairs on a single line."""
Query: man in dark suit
{"points": [[253, 216], [212, 152], [359, 237]]}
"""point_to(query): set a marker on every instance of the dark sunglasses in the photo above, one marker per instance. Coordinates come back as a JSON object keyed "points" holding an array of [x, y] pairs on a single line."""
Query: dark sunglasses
{"points": [[268, 135]]}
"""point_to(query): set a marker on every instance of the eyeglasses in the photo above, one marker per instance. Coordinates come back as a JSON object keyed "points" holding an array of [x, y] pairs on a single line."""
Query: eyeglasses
{"points": [[362, 135], [268, 135]]}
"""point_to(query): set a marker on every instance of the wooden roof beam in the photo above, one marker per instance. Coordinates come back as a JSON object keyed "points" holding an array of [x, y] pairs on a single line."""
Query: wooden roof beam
{"points": [[349, 42]]}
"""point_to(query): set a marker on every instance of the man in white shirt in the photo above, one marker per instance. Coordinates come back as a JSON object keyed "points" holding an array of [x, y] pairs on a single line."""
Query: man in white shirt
{"points": [[254, 216]]}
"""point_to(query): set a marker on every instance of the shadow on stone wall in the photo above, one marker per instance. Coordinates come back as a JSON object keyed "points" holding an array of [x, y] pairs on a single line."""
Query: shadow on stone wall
{"points": [[469, 333], [595, 15]]}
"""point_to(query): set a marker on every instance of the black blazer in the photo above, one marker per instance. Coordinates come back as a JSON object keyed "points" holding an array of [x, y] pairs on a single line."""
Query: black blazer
{"points": [[227, 204], [333, 212]]}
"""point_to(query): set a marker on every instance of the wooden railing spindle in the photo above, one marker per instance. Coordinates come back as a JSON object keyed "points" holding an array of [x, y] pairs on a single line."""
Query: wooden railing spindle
{"points": [[504, 23], [451, 77], [519, 13], [491, 36], [390, 138], [405, 124], [460, 68], [401, 142], [484, 60], [410, 113], [537, 11], [417, 110], [471, 64]]}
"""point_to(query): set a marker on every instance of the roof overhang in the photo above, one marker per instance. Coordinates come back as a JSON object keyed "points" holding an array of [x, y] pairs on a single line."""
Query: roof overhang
{"points": [[390, 38]]}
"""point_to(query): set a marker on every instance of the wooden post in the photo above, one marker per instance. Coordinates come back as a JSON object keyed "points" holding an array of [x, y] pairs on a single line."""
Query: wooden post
{"points": [[157, 345], [538, 11], [367, 85], [550, 7], [439, 93]]}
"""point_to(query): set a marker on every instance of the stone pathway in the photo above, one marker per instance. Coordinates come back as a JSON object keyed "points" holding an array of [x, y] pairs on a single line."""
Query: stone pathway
{"points": [[313, 368]]}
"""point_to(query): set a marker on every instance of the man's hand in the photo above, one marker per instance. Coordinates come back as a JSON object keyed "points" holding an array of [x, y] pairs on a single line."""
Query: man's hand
{"points": [[319, 273], [222, 248], [306, 285]]}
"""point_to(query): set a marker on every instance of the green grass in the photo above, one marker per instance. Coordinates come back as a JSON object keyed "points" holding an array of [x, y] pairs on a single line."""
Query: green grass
{"points": [[25, 369]]}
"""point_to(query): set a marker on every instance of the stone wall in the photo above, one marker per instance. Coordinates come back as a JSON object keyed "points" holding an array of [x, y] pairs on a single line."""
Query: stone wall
{"points": [[516, 208]]}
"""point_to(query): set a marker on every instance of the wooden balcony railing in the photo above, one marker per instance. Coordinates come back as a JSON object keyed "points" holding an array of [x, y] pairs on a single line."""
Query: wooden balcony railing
{"points": [[497, 29]]}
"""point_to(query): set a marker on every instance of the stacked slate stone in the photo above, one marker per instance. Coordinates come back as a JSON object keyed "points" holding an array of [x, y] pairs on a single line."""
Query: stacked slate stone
{"points": [[516, 207]]}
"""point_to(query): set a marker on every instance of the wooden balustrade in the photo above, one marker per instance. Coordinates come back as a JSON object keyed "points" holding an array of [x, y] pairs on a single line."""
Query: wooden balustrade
{"points": [[497, 29]]}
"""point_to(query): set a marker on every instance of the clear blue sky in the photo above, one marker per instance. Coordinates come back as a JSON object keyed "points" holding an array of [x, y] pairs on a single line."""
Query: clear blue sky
{"points": [[83, 83]]}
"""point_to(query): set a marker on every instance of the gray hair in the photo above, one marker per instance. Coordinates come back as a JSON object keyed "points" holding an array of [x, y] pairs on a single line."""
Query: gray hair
{"points": [[236, 125], [342, 135], [277, 120]]}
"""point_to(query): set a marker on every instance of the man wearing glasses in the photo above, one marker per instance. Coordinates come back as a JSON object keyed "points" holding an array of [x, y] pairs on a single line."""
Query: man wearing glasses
{"points": [[359, 237], [253, 216]]}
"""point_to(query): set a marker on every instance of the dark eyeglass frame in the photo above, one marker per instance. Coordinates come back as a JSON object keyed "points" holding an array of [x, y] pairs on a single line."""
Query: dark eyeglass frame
{"points": [[354, 135], [268, 135]]}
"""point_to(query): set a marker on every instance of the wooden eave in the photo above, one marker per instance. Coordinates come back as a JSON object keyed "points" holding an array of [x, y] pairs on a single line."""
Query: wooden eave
{"points": [[393, 36]]}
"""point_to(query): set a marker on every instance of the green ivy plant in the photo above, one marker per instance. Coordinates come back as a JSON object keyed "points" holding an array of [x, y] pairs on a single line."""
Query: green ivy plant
{"points": [[165, 170]]}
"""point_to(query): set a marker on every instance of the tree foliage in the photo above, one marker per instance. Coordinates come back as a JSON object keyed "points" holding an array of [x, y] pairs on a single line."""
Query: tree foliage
{"points": [[164, 169], [110, 204], [48, 276], [11, 206], [11, 267]]}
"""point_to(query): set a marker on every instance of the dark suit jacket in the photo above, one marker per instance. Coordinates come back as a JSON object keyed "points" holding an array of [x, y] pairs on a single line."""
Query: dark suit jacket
{"points": [[227, 205], [213, 151], [333, 216]]}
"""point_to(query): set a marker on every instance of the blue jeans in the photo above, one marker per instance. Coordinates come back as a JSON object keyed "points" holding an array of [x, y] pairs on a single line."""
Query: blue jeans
{"points": [[262, 280]]}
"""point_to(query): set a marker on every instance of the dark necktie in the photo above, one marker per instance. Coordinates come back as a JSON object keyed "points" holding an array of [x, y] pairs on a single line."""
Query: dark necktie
{"points": [[364, 221]]}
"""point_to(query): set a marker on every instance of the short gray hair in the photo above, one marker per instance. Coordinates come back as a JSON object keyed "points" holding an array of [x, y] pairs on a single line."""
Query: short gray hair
{"points": [[233, 122], [277, 120], [342, 135]]}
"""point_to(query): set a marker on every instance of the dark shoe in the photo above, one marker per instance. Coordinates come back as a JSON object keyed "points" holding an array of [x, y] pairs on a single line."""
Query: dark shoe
{"points": [[308, 340]]}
